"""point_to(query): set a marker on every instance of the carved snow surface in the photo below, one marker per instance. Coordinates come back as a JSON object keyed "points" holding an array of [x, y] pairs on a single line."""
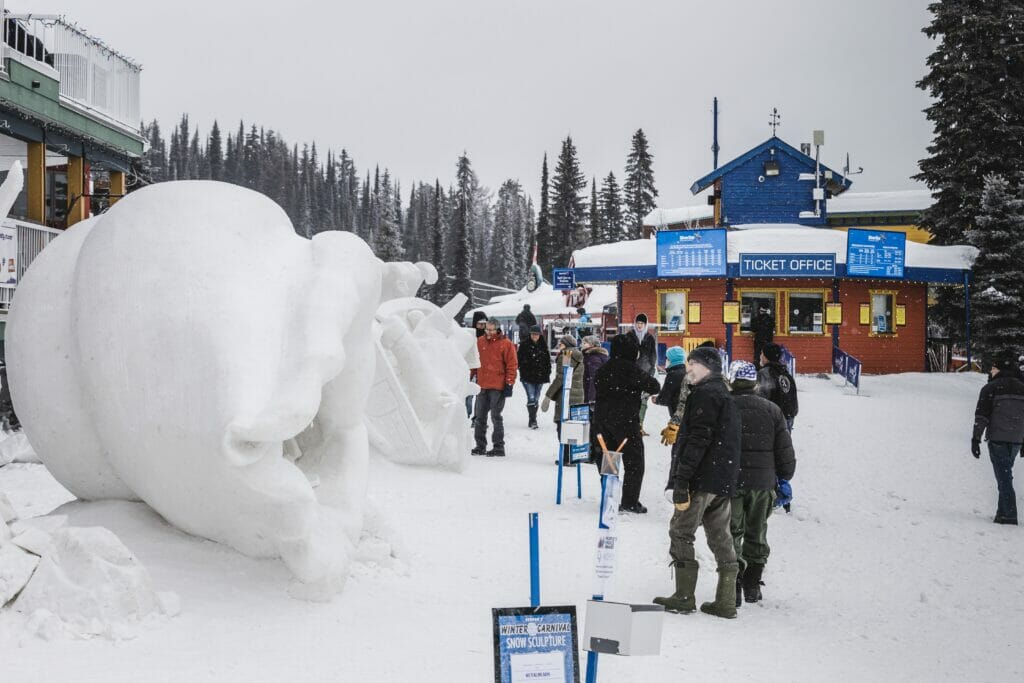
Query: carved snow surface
{"points": [[189, 350]]}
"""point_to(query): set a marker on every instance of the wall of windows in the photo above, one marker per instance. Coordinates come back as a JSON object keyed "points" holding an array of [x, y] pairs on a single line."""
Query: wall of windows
{"points": [[793, 310]]}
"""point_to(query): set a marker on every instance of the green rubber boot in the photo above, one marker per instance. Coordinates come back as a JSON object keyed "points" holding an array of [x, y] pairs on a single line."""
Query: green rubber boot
{"points": [[682, 601], [725, 595]]}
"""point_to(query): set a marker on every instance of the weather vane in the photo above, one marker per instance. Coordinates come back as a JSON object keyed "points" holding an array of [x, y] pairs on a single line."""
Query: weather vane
{"points": [[774, 123]]}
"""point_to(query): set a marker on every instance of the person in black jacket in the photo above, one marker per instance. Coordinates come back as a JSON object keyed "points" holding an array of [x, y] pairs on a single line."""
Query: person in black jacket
{"points": [[525, 320], [763, 327], [776, 384], [534, 369], [647, 360], [618, 386], [999, 417], [702, 477], [766, 455], [675, 380]]}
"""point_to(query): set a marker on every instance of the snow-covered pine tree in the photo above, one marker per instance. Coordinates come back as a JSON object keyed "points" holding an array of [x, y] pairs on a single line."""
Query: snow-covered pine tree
{"points": [[154, 160], [568, 207], [594, 223], [506, 211], [639, 186], [388, 245], [997, 296], [438, 240], [215, 153], [611, 210], [545, 249], [462, 239]]}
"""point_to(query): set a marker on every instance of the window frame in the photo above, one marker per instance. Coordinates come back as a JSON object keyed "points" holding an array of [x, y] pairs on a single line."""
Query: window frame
{"points": [[892, 293], [825, 295], [775, 292], [684, 326]]}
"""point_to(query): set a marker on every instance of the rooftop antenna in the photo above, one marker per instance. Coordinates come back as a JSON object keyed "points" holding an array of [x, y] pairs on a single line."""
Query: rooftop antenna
{"points": [[714, 142], [774, 123], [846, 169]]}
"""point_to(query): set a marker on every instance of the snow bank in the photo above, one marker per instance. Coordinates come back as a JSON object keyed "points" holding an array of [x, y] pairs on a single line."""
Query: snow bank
{"points": [[684, 214], [546, 301], [868, 202], [14, 447]]}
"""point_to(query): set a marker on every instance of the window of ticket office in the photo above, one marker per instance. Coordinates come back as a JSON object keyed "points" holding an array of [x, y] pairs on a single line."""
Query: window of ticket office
{"points": [[672, 311], [806, 311], [883, 312], [751, 302]]}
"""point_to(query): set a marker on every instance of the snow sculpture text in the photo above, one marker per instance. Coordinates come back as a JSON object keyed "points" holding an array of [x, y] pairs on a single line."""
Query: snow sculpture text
{"points": [[188, 349]]}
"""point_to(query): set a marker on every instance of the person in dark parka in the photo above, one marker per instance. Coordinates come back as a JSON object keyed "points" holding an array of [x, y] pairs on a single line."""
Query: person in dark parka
{"points": [[525, 320], [999, 417], [647, 360], [702, 477], [618, 386], [763, 327], [534, 369], [766, 455], [675, 380], [594, 356], [776, 384]]}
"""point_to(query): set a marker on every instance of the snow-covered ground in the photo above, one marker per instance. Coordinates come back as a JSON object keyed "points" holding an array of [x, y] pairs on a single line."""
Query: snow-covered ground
{"points": [[888, 569]]}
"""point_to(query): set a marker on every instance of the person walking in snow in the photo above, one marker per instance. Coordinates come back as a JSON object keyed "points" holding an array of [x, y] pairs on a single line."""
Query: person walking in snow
{"points": [[763, 327], [525, 320], [534, 370], [594, 356], [567, 353], [618, 386], [999, 418], [496, 376], [675, 380], [647, 361], [776, 384], [766, 455], [702, 480]]}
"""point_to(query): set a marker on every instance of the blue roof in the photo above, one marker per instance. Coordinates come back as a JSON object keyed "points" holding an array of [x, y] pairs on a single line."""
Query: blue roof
{"points": [[773, 142]]}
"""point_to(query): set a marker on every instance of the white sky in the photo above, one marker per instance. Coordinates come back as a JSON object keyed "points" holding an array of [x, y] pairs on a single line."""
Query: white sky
{"points": [[412, 84]]}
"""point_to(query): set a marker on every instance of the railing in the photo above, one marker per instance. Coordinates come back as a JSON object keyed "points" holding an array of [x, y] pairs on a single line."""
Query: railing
{"points": [[32, 239], [92, 76]]}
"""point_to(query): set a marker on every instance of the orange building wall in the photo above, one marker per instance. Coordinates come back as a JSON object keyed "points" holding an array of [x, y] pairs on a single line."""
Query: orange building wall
{"points": [[904, 352]]}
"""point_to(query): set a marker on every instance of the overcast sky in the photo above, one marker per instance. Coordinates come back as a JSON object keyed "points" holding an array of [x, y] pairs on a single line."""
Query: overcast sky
{"points": [[412, 84]]}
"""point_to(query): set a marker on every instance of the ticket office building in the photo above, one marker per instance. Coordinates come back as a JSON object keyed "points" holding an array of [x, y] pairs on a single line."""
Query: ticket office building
{"points": [[800, 275]]}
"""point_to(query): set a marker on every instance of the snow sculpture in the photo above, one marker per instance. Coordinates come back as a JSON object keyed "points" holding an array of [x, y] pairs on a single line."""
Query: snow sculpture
{"points": [[188, 349]]}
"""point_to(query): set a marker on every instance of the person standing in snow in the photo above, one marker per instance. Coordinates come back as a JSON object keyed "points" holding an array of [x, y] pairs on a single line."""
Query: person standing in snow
{"points": [[479, 320], [776, 384], [594, 356], [567, 353], [702, 480], [766, 455], [584, 323], [618, 386], [999, 417], [675, 380], [496, 375], [763, 327], [647, 361], [525, 320], [534, 369]]}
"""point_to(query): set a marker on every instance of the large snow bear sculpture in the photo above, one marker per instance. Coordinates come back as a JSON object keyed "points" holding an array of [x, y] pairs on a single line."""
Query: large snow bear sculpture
{"points": [[188, 349]]}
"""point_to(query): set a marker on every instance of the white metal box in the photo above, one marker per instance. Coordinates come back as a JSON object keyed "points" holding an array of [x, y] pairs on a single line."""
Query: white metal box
{"points": [[618, 628]]}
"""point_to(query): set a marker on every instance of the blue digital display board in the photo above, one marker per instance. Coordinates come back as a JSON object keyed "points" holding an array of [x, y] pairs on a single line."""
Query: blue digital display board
{"points": [[875, 253], [563, 279], [787, 265], [691, 253]]}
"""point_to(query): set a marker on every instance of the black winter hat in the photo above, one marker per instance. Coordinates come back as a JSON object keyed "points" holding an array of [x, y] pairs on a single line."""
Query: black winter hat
{"points": [[773, 352], [625, 346], [641, 318], [1008, 361], [707, 357], [534, 329]]}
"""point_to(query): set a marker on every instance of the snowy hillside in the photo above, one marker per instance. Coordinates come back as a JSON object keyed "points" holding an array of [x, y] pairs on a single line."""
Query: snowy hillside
{"points": [[888, 568]]}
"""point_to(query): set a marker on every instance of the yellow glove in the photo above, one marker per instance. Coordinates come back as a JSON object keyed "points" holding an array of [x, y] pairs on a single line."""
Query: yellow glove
{"points": [[669, 434]]}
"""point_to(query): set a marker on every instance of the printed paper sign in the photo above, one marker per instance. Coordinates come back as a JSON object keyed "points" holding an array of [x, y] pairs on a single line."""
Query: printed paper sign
{"points": [[538, 666], [535, 644], [8, 257]]}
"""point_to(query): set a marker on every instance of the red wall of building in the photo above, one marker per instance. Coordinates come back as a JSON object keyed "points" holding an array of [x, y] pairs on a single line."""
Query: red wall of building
{"points": [[903, 352]]}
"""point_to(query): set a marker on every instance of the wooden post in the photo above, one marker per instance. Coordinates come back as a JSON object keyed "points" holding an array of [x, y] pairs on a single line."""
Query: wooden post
{"points": [[36, 182], [118, 186], [78, 206]]}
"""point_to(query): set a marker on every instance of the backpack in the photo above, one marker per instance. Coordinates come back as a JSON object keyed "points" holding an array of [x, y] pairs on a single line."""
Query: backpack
{"points": [[784, 394]]}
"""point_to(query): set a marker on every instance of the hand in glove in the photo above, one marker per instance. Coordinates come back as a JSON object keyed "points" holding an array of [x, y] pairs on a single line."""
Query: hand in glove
{"points": [[975, 448], [681, 499], [545, 404], [669, 434]]}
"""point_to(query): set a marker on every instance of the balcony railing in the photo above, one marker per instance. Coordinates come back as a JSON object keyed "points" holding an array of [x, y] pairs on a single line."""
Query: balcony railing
{"points": [[32, 239], [93, 76]]}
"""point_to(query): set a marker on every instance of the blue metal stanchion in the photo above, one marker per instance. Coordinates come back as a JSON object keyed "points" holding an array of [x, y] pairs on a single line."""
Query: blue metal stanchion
{"points": [[579, 481], [534, 560]]}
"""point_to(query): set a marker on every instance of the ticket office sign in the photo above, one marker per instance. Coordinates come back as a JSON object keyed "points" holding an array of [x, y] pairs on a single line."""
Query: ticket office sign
{"points": [[534, 644]]}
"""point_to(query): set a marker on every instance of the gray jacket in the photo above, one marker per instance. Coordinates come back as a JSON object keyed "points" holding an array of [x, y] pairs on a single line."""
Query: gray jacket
{"points": [[1000, 412]]}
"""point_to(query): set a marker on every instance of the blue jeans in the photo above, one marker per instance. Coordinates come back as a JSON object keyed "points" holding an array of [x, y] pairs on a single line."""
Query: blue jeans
{"points": [[1002, 455], [532, 393]]}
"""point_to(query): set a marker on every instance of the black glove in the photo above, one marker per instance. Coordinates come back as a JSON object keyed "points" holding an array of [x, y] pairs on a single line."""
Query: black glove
{"points": [[680, 495], [975, 448]]}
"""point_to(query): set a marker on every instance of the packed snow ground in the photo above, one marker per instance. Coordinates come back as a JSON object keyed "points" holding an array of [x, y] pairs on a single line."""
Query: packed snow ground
{"points": [[888, 569]]}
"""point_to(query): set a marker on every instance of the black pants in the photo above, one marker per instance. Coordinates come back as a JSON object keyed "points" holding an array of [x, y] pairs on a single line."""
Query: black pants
{"points": [[632, 458], [490, 402]]}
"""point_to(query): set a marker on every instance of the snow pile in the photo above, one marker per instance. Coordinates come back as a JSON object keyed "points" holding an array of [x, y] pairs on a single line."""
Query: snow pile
{"points": [[685, 214], [14, 447], [546, 301], [72, 581], [869, 202]]}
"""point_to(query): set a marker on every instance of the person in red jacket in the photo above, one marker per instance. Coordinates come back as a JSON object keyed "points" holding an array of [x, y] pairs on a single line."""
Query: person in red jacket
{"points": [[496, 377]]}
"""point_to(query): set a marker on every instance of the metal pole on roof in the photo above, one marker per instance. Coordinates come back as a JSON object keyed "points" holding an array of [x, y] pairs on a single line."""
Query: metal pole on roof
{"points": [[714, 142]]}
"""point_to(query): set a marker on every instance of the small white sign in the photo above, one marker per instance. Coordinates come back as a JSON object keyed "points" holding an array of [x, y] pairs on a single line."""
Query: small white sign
{"points": [[530, 667], [8, 257]]}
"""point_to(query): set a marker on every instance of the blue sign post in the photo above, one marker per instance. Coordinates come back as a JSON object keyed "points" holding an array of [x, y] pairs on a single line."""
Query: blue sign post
{"points": [[875, 253], [787, 265], [691, 253], [563, 279]]}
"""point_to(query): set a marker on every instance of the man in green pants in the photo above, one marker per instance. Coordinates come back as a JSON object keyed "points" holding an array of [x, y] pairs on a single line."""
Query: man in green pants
{"points": [[702, 479], [766, 455]]}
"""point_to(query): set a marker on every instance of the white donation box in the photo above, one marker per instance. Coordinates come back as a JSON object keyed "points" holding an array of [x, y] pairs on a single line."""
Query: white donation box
{"points": [[617, 628]]}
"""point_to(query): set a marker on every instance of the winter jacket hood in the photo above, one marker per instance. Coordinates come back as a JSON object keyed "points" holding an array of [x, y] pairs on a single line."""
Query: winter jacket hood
{"points": [[477, 317]]}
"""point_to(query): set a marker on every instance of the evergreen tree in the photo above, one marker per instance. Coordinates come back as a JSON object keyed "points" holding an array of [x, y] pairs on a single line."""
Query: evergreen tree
{"points": [[594, 220], [976, 80], [388, 243], [506, 217], [568, 208], [462, 239], [997, 297], [154, 160], [639, 185], [215, 153], [438, 241], [542, 239], [612, 224]]}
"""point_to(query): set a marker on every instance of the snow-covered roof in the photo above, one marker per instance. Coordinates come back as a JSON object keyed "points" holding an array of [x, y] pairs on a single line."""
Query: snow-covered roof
{"points": [[772, 238], [869, 202], [546, 301], [682, 214]]}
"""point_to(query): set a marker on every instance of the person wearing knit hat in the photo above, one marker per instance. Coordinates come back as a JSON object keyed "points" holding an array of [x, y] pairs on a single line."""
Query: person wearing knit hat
{"points": [[999, 418], [568, 341], [776, 384], [647, 361], [766, 456], [675, 380], [534, 370], [772, 353], [702, 480]]}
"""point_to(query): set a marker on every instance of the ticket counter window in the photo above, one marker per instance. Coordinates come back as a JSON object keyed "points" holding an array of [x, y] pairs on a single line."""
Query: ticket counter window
{"points": [[806, 312], [882, 313], [672, 311], [751, 303]]}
